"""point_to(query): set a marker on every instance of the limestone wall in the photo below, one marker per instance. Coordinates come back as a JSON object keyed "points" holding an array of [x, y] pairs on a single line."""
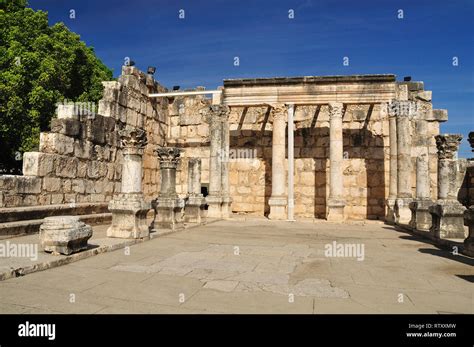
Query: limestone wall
{"points": [[79, 160]]}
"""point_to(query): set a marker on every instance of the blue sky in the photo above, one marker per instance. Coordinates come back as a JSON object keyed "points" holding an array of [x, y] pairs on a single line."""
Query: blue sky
{"points": [[199, 50]]}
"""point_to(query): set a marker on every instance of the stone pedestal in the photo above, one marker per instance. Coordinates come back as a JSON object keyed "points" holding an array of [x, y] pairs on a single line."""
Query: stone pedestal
{"points": [[336, 202], [469, 241], [447, 212], [278, 199], [169, 208], [129, 208], [421, 217], [64, 234], [447, 220], [129, 212], [195, 204]]}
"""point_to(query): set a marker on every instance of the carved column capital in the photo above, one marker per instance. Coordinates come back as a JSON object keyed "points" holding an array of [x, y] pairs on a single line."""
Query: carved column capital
{"points": [[169, 157], [335, 109], [447, 145], [279, 111], [133, 141], [402, 109]]}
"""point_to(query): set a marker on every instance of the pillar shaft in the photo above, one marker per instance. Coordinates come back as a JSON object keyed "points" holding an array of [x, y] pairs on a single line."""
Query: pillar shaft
{"points": [[336, 202], [422, 176], [390, 216], [218, 198], [405, 168]]}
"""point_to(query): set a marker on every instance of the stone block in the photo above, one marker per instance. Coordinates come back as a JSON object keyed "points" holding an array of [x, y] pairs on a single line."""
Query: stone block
{"points": [[68, 127], [38, 164], [56, 143], [96, 130], [66, 166], [28, 185], [51, 184], [64, 234], [67, 111]]}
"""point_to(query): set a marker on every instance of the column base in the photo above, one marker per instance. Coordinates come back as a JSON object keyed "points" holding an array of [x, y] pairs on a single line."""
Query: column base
{"points": [[277, 208], [402, 211], [447, 220], [168, 214], [194, 210], [335, 210], [129, 212], [214, 209], [420, 214], [390, 217]]}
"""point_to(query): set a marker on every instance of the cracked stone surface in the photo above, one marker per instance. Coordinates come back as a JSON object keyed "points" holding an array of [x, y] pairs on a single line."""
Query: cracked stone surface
{"points": [[255, 266]]}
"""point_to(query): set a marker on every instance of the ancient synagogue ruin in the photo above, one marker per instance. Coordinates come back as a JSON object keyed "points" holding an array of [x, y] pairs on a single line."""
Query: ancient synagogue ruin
{"points": [[152, 160]]}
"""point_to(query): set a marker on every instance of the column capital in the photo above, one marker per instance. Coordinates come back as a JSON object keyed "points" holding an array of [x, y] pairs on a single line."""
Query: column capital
{"points": [[168, 156], [279, 111], [447, 145], [402, 108], [335, 109], [133, 141]]}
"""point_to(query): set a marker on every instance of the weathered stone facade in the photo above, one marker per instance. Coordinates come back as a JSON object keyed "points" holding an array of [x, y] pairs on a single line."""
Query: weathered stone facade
{"points": [[357, 144]]}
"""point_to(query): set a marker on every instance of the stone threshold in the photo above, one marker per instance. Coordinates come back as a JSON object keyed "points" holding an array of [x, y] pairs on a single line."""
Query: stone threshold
{"points": [[11, 267]]}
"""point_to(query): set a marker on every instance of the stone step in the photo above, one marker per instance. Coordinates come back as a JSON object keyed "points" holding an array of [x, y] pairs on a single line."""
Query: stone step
{"points": [[24, 227], [13, 214]]}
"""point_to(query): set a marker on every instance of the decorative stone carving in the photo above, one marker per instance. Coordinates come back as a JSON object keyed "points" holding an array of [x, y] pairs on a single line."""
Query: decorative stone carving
{"points": [[168, 206], [64, 234], [195, 204], [447, 212], [129, 208], [447, 145]]}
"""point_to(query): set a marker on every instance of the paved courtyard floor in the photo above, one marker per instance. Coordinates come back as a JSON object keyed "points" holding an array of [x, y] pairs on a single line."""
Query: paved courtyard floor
{"points": [[256, 266]]}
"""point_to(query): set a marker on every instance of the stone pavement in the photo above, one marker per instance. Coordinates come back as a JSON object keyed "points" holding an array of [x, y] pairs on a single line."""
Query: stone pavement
{"points": [[255, 266]]}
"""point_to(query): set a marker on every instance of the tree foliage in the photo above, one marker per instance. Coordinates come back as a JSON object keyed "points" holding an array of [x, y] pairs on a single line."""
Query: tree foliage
{"points": [[40, 65]]}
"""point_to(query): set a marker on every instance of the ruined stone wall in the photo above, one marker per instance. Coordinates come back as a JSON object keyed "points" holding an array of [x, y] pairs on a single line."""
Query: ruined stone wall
{"points": [[79, 160]]}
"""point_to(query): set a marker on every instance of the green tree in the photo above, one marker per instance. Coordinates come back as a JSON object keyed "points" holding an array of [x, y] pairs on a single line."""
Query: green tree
{"points": [[40, 65]]}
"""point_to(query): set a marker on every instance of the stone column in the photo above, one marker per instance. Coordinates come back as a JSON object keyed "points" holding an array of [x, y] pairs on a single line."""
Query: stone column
{"points": [[225, 136], [390, 217], [335, 202], [278, 199], [405, 167], [215, 115], [195, 203], [168, 206], [447, 212], [129, 208]]}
